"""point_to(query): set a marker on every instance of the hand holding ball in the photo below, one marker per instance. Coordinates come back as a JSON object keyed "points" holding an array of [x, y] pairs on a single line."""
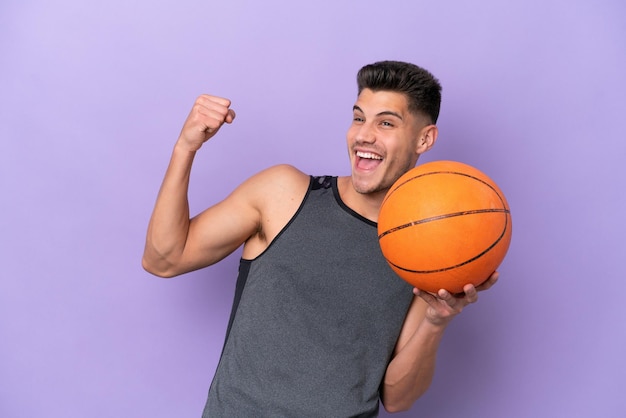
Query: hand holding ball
{"points": [[444, 224]]}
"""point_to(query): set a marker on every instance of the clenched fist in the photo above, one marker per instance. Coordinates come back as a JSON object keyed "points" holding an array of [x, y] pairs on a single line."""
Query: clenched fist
{"points": [[207, 116]]}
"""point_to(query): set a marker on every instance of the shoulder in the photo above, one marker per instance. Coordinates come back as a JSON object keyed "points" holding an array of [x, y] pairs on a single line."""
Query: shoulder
{"points": [[280, 179], [275, 188], [275, 194], [266, 189], [286, 172]]}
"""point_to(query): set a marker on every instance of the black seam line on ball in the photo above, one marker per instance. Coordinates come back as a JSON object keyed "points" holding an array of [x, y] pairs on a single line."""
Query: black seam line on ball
{"points": [[430, 173], [436, 218], [506, 226]]}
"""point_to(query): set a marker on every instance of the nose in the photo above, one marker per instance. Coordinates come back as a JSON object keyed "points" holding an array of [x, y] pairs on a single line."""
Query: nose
{"points": [[365, 134]]}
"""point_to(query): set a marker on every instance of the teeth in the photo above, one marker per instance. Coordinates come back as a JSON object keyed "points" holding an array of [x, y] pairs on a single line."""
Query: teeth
{"points": [[368, 155]]}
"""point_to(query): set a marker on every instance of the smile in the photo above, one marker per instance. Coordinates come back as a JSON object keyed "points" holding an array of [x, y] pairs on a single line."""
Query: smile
{"points": [[368, 155], [367, 161]]}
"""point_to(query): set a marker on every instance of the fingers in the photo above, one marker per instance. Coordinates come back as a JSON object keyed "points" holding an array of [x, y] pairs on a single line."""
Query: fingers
{"points": [[460, 300], [443, 302], [207, 116], [428, 297], [455, 302], [489, 282], [216, 108], [443, 306], [446, 296], [230, 117], [471, 293], [213, 102]]}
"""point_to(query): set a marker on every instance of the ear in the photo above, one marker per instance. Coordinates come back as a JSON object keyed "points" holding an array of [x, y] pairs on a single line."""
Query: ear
{"points": [[427, 138]]}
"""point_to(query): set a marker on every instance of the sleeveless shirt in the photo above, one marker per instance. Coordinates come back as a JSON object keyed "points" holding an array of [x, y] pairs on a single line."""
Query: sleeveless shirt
{"points": [[315, 319]]}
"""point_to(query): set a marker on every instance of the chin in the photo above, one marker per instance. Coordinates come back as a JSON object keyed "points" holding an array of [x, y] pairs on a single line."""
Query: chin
{"points": [[367, 186]]}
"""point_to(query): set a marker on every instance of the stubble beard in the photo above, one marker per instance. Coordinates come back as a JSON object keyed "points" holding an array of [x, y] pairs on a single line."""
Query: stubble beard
{"points": [[370, 187], [381, 185]]}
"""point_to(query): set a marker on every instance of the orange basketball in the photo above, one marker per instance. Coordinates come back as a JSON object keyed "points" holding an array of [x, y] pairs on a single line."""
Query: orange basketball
{"points": [[444, 224]]}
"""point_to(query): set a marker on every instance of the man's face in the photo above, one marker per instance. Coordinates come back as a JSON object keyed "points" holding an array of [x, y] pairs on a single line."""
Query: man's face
{"points": [[382, 140]]}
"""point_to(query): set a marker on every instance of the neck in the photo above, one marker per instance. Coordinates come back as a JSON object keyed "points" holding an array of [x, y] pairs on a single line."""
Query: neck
{"points": [[365, 204]]}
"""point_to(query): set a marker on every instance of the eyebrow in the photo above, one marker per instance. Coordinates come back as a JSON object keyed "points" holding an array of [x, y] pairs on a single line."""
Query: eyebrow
{"points": [[383, 113]]}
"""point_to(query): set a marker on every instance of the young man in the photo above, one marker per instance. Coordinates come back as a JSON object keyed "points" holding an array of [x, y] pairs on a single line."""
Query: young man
{"points": [[320, 326]]}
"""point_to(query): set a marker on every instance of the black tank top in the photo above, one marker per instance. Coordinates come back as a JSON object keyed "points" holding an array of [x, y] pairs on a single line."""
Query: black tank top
{"points": [[315, 319]]}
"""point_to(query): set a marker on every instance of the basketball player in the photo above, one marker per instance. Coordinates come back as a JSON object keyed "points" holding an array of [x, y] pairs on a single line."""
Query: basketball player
{"points": [[320, 325]]}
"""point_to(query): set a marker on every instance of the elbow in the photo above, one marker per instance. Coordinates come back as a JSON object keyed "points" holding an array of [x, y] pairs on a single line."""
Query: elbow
{"points": [[397, 399], [156, 268], [160, 263], [393, 408], [395, 404]]}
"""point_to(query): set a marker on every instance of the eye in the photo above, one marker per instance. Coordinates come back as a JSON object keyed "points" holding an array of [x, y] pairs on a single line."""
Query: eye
{"points": [[387, 124], [356, 118]]}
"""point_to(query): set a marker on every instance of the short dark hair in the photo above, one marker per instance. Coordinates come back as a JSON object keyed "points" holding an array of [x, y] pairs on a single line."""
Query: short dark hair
{"points": [[421, 88]]}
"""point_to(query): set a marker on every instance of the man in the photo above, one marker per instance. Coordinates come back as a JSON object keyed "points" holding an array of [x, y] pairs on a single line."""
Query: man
{"points": [[320, 326]]}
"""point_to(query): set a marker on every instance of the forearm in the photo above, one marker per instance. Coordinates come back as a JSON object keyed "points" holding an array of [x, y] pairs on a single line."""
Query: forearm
{"points": [[169, 223], [411, 371]]}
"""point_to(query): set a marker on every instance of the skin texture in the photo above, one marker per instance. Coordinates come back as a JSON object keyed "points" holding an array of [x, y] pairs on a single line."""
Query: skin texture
{"points": [[384, 141]]}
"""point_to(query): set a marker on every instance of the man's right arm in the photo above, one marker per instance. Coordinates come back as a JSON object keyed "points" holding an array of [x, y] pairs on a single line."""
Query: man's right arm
{"points": [[176, 244]]}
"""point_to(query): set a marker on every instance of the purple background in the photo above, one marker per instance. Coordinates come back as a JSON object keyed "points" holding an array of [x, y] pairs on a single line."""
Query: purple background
{"points": [[93, 95]]}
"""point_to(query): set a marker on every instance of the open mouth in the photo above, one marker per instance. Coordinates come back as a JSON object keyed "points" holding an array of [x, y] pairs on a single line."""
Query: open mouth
{"points": [[367, 160]]}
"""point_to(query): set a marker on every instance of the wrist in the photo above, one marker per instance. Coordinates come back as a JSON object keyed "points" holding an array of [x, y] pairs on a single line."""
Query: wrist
{"points": [[183, 147], [435, 326]]}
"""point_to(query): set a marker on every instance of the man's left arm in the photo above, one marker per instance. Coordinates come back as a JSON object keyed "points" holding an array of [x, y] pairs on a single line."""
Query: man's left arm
{"points": [[412, 367]]}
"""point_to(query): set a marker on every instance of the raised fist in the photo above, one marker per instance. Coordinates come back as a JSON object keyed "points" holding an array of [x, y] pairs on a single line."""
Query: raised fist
{"points": [[207, 116]]}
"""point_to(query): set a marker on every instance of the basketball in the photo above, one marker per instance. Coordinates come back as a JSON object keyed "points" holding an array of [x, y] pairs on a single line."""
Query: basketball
{"points": [[444, 224]]}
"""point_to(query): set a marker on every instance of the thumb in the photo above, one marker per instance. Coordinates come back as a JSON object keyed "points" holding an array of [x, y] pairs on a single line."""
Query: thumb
{"points": [[230, 117]]}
